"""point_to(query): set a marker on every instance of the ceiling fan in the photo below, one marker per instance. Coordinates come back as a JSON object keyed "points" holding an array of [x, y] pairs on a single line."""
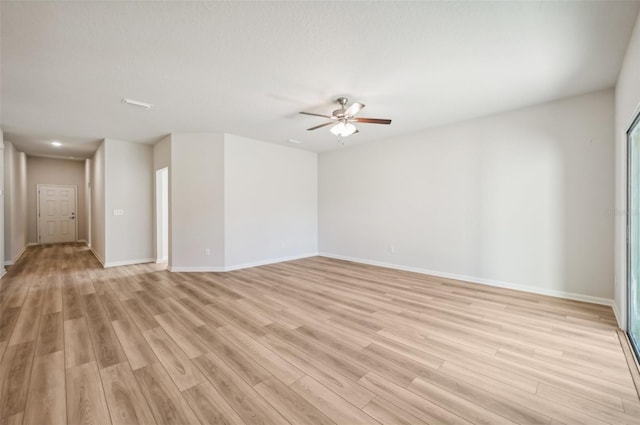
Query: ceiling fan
{"points": [[343, 118]]}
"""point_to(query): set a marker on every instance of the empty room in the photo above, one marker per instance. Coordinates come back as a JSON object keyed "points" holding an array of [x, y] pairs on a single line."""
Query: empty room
{"points": [[320, 212]]}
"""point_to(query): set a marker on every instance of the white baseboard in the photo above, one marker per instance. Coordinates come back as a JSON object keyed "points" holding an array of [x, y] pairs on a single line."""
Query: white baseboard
{"points": [[162, 260], [243, 265], [197, 269], [482, 281], [33, 244], [3, 271], [128, 262], [82, 241], [616, 313], [270, 261], [17, 257]]}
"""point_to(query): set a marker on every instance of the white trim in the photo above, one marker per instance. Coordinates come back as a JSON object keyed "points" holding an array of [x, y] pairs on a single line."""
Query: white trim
{"points": [[482, 281], [270, 261], [614, 307], [3, 271], [84, 241], [162, 260], [75, 193], [95, 254], [196, 269], [128, 262], [33, 244], [244, 265], [17, 257]]}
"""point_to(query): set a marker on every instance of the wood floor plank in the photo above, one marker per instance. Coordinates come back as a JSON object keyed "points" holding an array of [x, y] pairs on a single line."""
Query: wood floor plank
{"points": [[280, 368], [8, 319], [46, 401], [242, 363], [557, 411], [422, 408], [112, 307], [457, 404], [139, 314], [290, 404], [16, 419], [127, 405], [330, 403], [15, 371], [72, 301], [252, 408], [50, 335], [245, 323], [207, 315], [387, 413], [85, 398], [602, 413], [105, 343], [135, 346], [184, 374], [166, 402], [330, 357], [77, 343], [186, 339], [210, 407], [26, 328], [52, 302], [340, 384]]}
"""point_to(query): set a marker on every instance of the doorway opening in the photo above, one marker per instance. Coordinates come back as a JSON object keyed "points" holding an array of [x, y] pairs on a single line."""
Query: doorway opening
{"points": [[162, 215]]}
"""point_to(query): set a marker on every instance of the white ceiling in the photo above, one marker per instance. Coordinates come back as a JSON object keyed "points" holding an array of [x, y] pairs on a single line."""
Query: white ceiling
{"points": [[247, 68]]}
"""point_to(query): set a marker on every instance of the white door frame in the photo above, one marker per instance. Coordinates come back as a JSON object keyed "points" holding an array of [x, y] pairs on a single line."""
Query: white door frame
{"points": [[162, 216], [38, 186]]}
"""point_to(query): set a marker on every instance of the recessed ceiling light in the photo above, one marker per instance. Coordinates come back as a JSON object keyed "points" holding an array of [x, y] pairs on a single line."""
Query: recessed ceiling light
{"points": [[136, 103], [56, 144]]}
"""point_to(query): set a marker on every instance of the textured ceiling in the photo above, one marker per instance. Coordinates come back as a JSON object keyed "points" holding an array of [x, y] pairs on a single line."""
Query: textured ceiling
{"points": [[247, 68]]}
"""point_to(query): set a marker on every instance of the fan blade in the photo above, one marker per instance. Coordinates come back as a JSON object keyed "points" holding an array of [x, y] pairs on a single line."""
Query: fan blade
{"points": [[315, 115], [372, 120], [321, 125], [353, 109]]}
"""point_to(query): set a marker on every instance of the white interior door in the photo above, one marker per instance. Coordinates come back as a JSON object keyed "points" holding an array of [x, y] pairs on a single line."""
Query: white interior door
{"points": [[56, 214]]}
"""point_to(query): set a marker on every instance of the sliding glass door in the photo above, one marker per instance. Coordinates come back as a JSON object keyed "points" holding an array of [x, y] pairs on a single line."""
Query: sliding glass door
{"points": [[633, 234]]}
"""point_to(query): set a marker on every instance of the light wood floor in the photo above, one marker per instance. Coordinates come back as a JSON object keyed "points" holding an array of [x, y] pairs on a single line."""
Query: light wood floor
{"points": [[314, 341]]}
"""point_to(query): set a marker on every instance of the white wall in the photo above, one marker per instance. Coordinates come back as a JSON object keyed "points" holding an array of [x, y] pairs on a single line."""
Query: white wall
{"points": [[270, 201], [521, 199], [196, 180], [15, 207], [128, 174], [98, 244], [627, 106], [54, 172]]}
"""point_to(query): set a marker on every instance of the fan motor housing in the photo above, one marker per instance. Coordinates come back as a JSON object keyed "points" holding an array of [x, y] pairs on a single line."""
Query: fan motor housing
{"points": [[338, 113]]}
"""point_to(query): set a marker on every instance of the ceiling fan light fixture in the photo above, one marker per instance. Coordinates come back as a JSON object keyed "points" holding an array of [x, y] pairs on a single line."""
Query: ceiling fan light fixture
{"points": [[343, 129]]}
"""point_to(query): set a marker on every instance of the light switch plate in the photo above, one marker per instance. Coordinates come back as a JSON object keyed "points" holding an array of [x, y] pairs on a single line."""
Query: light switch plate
{"points": [[118, 212]]}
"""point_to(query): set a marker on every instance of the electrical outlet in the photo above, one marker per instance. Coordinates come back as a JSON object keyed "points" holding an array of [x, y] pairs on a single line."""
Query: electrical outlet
{"points": [[118, 212], [392, 249], [207, 251]]}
